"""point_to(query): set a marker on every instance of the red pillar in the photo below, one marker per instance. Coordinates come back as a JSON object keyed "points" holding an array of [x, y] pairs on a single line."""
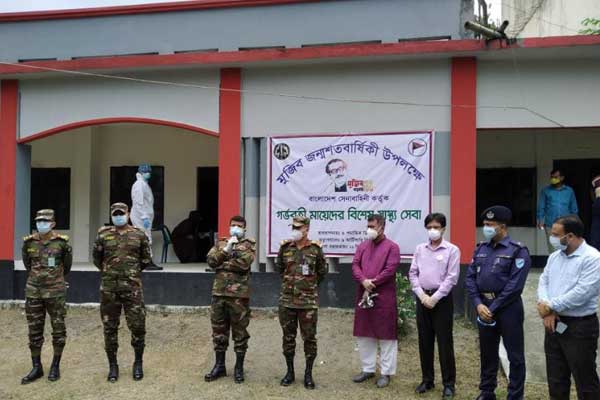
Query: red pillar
{"points": [[230, 112], [463, 154], [9, 94]]}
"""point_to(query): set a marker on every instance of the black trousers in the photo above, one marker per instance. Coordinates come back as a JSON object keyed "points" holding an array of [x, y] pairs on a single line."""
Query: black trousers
{"points": [[432, 324], [573, 353]]}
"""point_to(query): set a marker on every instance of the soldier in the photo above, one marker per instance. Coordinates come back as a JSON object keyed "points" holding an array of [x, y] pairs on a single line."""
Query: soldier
{"points": [[231, 259], [494, 282], [302, 267], [121, 252], [47, 256]]}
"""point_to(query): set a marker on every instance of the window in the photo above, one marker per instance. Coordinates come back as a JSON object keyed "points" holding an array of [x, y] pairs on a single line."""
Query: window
{"points": [[51, 188], [121, 180], [511, 187]]}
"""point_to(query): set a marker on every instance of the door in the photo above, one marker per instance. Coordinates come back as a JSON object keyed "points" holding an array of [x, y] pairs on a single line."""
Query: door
{"points": [[578, 174]]}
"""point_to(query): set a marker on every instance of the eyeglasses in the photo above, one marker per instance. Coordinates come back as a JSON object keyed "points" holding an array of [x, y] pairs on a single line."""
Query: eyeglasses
{"points": [[336, 171]]}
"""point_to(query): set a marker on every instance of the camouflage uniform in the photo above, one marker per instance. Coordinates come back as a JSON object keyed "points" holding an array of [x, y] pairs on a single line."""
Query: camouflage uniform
{"points": [[47, 262], [299, 296], [121, 255], [231, 293]]}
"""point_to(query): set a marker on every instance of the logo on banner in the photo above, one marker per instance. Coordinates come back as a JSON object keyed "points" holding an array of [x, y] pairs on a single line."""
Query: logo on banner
{"points": [[281, 151], [417, 147]]}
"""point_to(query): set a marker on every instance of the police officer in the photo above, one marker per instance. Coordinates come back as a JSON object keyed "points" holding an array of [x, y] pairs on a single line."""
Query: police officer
{"points": [[232, 259], [494, 282], [302, 267], [47, 257], [121, 252]]}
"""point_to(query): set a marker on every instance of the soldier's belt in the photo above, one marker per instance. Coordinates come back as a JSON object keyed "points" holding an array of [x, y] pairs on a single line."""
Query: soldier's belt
{"points": [[489, 295]]}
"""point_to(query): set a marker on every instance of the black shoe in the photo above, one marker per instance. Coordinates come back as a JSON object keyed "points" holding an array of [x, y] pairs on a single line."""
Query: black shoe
{"points": [[218, 370], [138, 369], [309, 383], [448, 392], [289, 377], [113, 367], [424, 387], [36, 372], [483, 396], [153, 267], [54, 373], [363, 376], [238, 370], [383, 381]]}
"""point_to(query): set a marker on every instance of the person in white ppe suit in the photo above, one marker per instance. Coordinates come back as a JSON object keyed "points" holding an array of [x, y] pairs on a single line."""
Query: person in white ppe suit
{"points": [[142, 206]]}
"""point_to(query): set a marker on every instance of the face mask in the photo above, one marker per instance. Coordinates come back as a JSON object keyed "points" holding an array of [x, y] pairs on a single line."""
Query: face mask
{"points": [[236, 231], [146, 176], [555, 242], [555, 181], [43, 227], [489, 232], [372, 234], [119, 220], [434, 234], [296, 235]]}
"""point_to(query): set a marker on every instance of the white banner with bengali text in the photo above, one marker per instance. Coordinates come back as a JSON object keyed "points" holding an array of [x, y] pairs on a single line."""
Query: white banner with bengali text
{"points": [[339, 180]]}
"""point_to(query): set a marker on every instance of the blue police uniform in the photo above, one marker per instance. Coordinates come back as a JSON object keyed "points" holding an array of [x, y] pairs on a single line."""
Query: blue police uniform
{"points": [[496, 278]]}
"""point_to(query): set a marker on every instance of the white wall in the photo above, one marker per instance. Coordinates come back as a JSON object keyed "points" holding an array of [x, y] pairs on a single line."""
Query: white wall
{"points": [[563, 91], [534, 149], [536, 18], [265, 115], [90, 153], [48, 103]]}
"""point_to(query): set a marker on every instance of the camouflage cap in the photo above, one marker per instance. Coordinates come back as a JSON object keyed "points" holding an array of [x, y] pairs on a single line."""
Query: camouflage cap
{"points": [[45, 215], [300, 221], [118, 207]]}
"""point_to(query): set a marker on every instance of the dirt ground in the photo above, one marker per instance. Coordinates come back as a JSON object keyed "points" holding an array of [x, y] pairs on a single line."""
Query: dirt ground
{"points": [[179, 353]]}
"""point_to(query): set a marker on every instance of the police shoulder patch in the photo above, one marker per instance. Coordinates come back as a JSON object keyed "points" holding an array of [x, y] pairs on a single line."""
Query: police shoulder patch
{"points": [[284, 242], [28, 238], [250, 240], [316, 242], [63, 237], [104, 229], [519, 262]]}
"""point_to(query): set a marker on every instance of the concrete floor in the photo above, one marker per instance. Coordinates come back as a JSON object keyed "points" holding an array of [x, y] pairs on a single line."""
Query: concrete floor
{"points": [[167, 267]]}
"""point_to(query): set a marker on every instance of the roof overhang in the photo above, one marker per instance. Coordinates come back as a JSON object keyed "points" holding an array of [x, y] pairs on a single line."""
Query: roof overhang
{"points": [[583, 46]]}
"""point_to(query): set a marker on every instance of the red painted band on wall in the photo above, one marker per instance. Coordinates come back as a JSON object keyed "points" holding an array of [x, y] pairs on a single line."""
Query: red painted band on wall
{"points": [[463, 154], [9, 100], [230, 114], [115, 120], [142, 9]]}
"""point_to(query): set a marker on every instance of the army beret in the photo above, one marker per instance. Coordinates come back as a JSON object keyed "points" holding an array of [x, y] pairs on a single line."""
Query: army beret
{"points": [[118, 207], [300, 221], [498, 214], [45, 215]]}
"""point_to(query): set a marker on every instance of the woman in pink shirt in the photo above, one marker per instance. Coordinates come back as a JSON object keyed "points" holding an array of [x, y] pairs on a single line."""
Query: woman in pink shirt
{"points": [[433, 273]]}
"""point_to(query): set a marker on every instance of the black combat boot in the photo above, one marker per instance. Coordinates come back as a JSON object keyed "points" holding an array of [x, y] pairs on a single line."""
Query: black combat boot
{"points": [[218, 370], [54, 373], [308, 379], [138, 370], [113, 367], [289, 377], [36, 372], [238, 370]]}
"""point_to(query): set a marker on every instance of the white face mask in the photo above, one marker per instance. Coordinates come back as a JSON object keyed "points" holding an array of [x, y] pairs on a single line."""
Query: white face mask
{"points": [[43, 227], [555, 242], [296, 235], [489, 232], [236, 231], [434, 234], [372, 234], [119, 220]]}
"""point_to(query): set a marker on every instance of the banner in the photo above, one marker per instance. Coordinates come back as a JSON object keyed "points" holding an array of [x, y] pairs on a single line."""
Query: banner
{"points": [[338, 181]]}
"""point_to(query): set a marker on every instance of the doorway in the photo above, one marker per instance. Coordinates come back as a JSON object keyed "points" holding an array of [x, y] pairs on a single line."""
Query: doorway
{"points": [[578, 175]]}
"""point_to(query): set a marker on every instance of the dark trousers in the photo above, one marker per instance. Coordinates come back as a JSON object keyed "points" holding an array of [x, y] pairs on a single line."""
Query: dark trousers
{"points": [[509, 327], [595, 227], [573, 353], [432, 324]]}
